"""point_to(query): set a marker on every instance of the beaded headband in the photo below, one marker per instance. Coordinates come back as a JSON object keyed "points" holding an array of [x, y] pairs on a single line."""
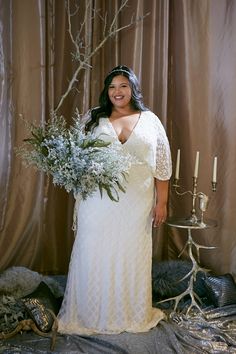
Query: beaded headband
{"points": [[119, 70]]}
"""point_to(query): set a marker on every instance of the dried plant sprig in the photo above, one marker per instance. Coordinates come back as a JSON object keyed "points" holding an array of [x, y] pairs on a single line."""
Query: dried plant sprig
{"points": [[81, 163]]}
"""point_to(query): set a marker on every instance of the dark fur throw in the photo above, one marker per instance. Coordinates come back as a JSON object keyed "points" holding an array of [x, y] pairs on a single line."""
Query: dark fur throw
{"points": [[167, 279]]}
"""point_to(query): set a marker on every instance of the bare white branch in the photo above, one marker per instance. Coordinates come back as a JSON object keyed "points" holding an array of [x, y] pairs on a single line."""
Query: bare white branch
{"points": [[84, 51], [105, 25], [70, 27], [115, 19]]}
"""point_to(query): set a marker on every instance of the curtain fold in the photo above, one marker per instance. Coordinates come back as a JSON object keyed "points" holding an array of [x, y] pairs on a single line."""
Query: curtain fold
{"points": [[5, 106], [201, 109], [20, 218], [184, 55]]}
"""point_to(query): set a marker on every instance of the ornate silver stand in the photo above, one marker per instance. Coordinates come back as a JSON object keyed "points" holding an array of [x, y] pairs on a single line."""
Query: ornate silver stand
{"points": [[192, 222], [189, 245]]}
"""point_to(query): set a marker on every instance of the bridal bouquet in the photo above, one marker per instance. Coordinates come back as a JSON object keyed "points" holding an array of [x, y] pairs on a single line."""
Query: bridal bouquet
{"points": [[79, 162]]}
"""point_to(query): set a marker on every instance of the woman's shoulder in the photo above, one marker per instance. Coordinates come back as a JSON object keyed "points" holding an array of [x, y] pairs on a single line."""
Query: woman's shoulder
{"points": [[155, 124], [152, 116]]}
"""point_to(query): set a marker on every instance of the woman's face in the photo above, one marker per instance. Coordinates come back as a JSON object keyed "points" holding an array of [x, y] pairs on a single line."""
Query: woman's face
{"points": [[120, 92]]}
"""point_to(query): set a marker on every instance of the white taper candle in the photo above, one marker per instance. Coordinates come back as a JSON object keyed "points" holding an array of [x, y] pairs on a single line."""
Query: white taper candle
{"points": [[177, 165], [196, 165], [214, 176]]}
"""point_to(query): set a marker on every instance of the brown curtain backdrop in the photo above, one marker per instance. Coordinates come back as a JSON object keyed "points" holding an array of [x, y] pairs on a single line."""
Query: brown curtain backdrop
{"points": [[184, 53]]}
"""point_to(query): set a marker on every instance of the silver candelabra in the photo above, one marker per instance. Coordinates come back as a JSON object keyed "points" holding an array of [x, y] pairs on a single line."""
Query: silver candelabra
{"points": [[191, 222], [194, 219]]}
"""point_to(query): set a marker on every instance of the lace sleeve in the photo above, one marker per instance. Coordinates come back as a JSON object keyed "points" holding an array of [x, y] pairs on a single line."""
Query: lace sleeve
{"points": [[163, 156]]}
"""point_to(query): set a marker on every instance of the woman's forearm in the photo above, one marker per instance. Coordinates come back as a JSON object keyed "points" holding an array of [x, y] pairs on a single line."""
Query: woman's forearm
{"points": [[160, 209], [162, 189]]}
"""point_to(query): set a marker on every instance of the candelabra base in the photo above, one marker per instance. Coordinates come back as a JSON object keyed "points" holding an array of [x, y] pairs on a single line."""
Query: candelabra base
{"points": [[187, 223]]}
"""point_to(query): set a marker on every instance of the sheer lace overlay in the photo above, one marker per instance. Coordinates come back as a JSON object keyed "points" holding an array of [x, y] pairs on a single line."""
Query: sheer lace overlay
{"points": [[109, 281]]}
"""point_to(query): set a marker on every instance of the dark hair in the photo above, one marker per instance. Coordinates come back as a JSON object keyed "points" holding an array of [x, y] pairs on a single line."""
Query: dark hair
{"points": [[105, 106]]}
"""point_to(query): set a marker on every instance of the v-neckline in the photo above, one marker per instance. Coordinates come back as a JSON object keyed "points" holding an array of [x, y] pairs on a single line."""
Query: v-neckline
{"points": [[131, 133]]}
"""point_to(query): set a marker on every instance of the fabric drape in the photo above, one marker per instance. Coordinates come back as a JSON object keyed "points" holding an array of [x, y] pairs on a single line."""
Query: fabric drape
{"points": [[201, 110], [184, 54]]}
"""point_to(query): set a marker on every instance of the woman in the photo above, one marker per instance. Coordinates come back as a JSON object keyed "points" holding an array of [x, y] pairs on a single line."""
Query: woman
{"points": [[109, 281]]}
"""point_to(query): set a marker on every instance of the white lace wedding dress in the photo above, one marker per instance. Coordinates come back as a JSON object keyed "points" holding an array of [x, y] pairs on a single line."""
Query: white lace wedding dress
{"points": [[109, 281]]}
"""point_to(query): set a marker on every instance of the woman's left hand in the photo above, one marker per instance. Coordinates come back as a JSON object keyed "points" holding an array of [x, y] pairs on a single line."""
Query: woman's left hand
{"points": [[159, 214]]}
